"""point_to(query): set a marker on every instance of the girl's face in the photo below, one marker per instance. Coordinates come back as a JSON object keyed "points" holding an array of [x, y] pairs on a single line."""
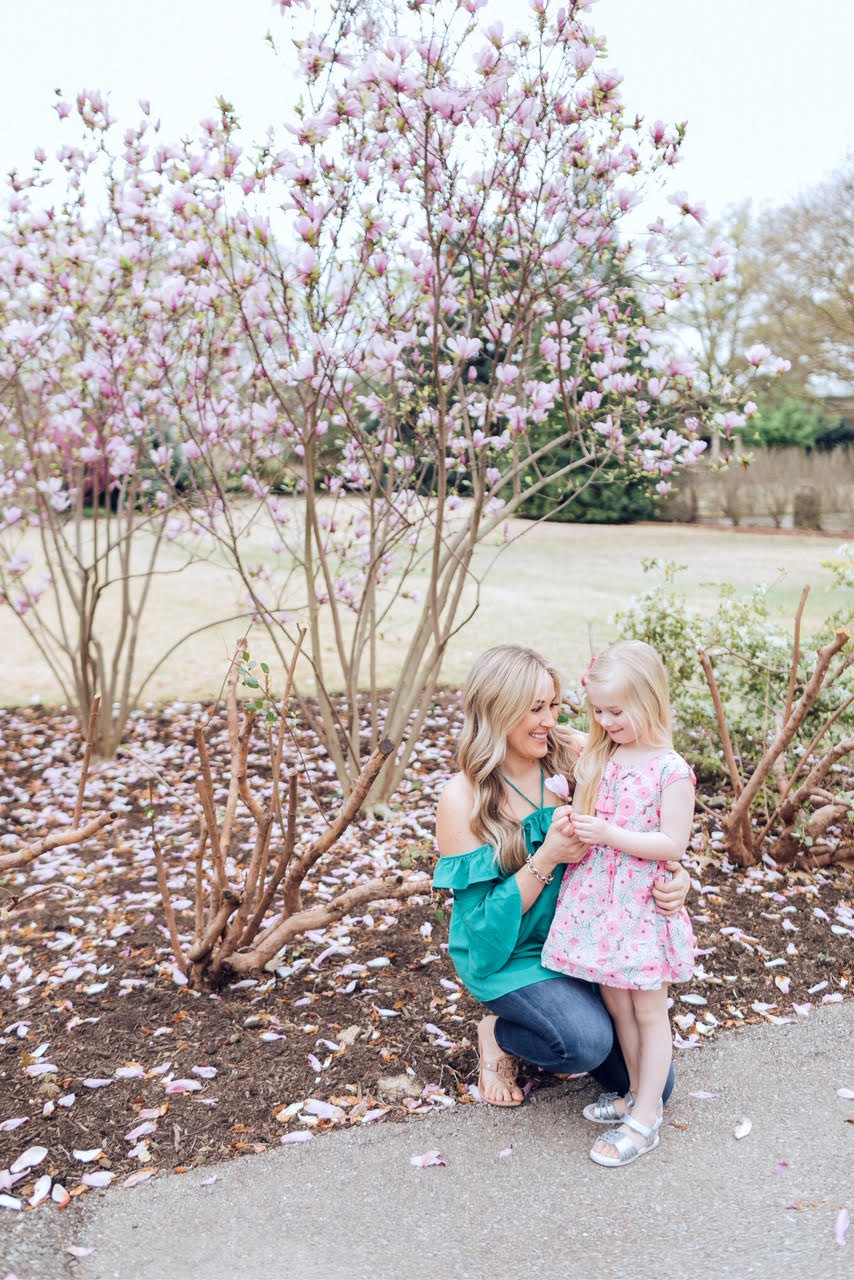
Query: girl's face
{"points": [[606, 708], [529, 738]]}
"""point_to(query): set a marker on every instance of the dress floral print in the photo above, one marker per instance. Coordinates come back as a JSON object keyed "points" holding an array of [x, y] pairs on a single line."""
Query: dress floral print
{"points": [[606, 928]]}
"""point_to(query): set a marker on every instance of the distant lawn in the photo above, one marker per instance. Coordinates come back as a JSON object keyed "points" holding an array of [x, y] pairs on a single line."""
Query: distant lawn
{"points": [[547, 588]]}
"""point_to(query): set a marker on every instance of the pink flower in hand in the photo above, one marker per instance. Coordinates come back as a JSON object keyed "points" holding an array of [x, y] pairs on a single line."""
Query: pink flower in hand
{"points": [[558, 786]]}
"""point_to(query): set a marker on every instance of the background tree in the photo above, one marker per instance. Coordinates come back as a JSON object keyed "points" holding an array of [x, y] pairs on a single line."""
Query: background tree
{"points": [[808, 286], [105, 346]]}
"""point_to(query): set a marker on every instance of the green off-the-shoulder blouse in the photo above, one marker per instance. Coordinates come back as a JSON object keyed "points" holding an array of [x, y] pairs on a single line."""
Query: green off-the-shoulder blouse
{"points": [[494, 945]]}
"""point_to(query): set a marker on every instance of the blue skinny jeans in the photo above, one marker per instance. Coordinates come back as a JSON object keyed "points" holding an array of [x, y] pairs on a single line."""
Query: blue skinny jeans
{"points": [[562, 1026]]}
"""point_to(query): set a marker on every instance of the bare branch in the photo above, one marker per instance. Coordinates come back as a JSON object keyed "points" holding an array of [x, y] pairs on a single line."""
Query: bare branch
{"points": [[75, 835], [87, 756], [723, 727], [388, 887]]}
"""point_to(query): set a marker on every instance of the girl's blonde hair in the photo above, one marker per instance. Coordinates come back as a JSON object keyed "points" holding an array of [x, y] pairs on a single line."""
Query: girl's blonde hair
{"points": [[500, 690], [632, 673]]}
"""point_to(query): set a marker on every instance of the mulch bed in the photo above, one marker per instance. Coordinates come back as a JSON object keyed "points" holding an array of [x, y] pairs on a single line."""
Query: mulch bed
{"points": [[120, 1072]]}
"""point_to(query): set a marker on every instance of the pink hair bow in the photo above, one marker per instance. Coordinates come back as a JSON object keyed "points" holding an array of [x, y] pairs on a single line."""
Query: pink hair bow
{"points": [[587, 671]]}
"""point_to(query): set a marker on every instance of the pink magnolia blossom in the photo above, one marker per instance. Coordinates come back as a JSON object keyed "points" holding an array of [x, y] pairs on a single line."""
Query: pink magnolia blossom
{"points": [[684, 204], [757, 354]]}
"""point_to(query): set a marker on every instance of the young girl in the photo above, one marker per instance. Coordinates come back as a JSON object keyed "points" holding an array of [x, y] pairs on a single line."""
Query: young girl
{"points": [[633, 805]]}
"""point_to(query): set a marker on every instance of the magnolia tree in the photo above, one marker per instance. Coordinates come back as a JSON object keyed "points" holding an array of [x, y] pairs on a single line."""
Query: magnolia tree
{"points": [[109, 333], [347, 345], [432, 267]]}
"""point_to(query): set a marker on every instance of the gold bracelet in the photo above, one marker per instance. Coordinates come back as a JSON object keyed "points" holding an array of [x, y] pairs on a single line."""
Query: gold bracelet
{"points": [[529, 863]]}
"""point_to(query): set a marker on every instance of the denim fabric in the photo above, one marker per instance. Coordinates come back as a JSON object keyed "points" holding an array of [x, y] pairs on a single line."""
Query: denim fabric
{"points": [[562, 1026]]}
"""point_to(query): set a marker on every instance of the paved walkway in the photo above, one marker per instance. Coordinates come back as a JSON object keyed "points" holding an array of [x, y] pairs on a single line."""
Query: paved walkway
{"points": [[350, 1206]]}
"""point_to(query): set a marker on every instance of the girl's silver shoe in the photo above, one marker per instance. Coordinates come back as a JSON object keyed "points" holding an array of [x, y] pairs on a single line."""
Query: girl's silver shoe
{"points": [[627, 1151], [602, 1111]]}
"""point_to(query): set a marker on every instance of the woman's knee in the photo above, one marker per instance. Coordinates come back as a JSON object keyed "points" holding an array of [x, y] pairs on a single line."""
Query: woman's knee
{"points": [[582, 1030]]}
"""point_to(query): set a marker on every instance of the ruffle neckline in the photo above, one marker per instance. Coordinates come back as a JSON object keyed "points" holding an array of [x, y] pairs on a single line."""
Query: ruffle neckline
{"points": [[479, 865]]}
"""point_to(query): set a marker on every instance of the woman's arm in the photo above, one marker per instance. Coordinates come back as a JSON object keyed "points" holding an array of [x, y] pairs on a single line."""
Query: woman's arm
{"points": [[669, 895], [670, 842], [489, 907], [454, 837]]}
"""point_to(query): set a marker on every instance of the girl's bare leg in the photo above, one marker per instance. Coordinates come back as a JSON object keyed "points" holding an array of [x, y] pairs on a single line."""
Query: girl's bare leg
{"points": [[654, 1050], [618, 1002]]}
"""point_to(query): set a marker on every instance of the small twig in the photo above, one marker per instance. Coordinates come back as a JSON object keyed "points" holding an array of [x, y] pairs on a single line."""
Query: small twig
{"points": [[723, 727], [796, 654], [204, 787], [238, 742], [283, 721], [163, 886], [87, 756], [200, 882], [12, 900], [781, 778]]}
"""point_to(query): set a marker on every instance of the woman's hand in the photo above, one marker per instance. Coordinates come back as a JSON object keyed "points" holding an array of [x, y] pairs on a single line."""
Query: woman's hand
{"points": [[562, 845], [670, 895]]}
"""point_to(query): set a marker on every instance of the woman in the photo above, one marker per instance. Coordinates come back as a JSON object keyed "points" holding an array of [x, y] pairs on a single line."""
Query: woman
{"points": [[502, 837]]}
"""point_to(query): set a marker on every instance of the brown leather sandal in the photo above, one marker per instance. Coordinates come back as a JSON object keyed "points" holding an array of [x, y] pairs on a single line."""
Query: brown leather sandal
{"points": [[505, 1068]]}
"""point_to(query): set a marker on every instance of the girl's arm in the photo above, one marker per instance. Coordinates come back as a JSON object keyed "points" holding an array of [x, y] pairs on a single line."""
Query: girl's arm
{"points": [[669, 843]]}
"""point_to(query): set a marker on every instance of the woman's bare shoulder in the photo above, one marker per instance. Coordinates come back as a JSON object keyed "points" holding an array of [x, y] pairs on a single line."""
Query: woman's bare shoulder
{"points": [[453, 817], [457, 790]]}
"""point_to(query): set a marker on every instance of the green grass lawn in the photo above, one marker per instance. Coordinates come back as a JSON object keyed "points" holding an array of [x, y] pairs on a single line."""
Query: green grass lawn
{"points": [[550, 588]]}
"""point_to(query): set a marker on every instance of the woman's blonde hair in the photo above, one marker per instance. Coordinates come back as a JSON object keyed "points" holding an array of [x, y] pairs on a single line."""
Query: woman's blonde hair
{"points": [[633, 674], [500, 690]]}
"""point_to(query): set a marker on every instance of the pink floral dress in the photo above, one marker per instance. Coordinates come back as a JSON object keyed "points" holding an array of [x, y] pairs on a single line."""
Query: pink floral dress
{"points": [[606, 928]]}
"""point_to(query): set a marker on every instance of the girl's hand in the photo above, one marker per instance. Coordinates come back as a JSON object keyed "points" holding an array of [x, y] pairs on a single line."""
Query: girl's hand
{"points": [[561, 844], [590, 829], [669, 895]]}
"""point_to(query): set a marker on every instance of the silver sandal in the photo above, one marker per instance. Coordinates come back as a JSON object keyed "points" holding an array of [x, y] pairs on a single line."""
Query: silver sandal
{"points": [[602, 1111], [627, 1151]]}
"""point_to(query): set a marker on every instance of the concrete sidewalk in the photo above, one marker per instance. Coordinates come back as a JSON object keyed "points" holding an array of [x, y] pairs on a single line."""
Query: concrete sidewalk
{"points": [[350, 1206]]}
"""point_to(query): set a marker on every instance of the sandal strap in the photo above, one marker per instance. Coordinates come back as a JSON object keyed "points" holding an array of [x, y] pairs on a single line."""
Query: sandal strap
{"points": [[504, 1066], [621, 1142], [645, 1131]]}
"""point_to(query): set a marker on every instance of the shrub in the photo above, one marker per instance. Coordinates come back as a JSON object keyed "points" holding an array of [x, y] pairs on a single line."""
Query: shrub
{"points": [[755, 706]]}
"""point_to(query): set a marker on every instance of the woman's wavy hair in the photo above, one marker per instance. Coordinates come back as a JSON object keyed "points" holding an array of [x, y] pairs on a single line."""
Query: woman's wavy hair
{"points": [[632, 673], [500, 690]]}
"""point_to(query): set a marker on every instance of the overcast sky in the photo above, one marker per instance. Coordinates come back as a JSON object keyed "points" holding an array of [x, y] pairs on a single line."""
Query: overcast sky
{"points": [[765, 85]]}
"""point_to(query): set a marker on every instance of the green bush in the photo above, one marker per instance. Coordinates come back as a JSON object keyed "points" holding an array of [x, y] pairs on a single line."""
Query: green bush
{"points": [[616, 496], [792, 422], [751, 655]]}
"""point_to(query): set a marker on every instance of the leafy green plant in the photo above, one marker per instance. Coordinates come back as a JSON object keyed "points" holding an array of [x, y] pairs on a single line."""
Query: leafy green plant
{"points": [[756, 707], [789, 422]]}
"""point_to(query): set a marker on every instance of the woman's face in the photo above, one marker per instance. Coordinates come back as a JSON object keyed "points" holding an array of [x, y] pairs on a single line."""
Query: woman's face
{"points": [[529, 738]]}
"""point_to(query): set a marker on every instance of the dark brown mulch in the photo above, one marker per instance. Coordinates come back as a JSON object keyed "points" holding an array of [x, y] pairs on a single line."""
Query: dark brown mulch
{"points": [[102, 1050]]}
